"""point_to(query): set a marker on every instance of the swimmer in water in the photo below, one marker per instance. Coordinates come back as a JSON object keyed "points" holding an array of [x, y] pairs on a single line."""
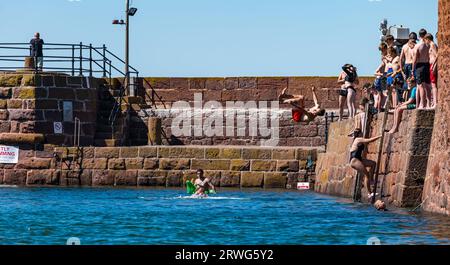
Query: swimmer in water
{"points": [[202, 184], [299, 113], [358, 163]]}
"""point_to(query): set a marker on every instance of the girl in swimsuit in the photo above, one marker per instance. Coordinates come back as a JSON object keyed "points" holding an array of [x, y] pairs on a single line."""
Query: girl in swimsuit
{"points": [[349, 79], [358, 163]]}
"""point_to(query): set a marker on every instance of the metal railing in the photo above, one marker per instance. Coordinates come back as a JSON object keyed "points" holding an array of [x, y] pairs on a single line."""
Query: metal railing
{"points": [[73, 59]]}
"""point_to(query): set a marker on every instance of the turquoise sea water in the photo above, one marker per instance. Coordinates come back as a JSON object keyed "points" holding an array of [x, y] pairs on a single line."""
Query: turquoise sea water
{"points": [[152, 216]]}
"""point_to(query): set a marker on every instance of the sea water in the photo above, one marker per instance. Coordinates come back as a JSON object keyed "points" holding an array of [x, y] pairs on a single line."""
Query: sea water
{"points": [[95, 216]]}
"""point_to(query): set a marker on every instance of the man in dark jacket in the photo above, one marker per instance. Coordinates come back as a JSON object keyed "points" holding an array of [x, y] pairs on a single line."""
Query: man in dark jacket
{"points": [[36, 51]]}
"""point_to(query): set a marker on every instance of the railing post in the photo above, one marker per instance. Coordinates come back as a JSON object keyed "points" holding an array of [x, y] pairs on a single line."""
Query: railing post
{"points": [[73, 60], [110, 71], [90, 60], [81, 59], [104, 60]]}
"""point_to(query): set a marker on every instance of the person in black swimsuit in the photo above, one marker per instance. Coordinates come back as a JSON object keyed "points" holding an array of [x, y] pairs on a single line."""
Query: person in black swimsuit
{"points": [[358, 163], [349, 80]]}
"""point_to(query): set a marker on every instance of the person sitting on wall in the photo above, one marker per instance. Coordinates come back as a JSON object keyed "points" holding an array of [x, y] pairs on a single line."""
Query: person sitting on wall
{"points": [[299, 113], [410, 104], [358, 163], [203, 185]]}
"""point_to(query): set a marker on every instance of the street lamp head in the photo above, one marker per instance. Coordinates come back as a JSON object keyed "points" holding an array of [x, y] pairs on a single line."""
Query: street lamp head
{"points": [[132, 11], [118, 22]]}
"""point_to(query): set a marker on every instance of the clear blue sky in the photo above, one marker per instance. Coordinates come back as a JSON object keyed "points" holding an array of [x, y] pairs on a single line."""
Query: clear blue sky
{"points": [[224, 37]]}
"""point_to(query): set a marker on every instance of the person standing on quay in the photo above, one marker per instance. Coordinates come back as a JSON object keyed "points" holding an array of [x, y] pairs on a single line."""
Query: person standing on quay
{"points": [[36, 49]]}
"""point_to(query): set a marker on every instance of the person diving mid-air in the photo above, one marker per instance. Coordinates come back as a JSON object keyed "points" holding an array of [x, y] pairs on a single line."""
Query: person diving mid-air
{"points": [[299, 111], [203, 186]]}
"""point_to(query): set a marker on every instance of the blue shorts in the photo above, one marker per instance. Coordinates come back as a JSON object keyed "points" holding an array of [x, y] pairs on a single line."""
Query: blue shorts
{"points": [[409, 71], [380, 83]]}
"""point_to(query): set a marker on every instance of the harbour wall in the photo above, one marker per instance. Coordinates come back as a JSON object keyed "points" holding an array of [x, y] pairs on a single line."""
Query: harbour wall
{"points": [[147, 166], [436, 194], [403, 162], [161, 93]]}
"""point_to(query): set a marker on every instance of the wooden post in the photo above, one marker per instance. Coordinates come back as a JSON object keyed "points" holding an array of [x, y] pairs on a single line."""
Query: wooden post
{"points": [[154, 131], [381, 144]]}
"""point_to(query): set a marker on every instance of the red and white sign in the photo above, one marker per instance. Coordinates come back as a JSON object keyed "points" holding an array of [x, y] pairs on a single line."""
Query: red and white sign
{"points": [[9, 154], [303, 186]]}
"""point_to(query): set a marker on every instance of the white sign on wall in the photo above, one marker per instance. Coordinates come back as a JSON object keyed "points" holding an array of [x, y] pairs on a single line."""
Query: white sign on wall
{"points": [[57, 127], [9, 154], [303, 186]]}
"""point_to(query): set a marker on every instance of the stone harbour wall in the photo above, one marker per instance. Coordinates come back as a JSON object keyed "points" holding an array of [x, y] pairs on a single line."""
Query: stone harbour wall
{"points": [[403, 163], [147, 166], [286, 132], [30, 104], [436, 194], [161, 93], [245, 89]]}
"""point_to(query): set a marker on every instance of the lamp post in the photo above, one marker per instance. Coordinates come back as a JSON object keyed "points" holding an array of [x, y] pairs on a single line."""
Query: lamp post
{"points": [[128, 12]]}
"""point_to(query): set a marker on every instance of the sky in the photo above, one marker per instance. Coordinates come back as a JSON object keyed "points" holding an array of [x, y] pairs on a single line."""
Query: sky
{"points": [[219, 38]]}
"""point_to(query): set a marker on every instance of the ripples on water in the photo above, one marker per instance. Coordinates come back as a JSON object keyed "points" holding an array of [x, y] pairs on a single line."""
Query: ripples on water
{"points": [[153, 216]]}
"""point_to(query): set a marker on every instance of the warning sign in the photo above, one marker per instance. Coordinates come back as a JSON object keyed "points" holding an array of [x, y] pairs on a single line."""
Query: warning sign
{"points": [[303, 186], [9, 154], [58, 127]]}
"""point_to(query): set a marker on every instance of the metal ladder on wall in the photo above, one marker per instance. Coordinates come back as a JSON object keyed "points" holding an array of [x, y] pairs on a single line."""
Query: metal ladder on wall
{"points": [[366, 132], [73, 156]]}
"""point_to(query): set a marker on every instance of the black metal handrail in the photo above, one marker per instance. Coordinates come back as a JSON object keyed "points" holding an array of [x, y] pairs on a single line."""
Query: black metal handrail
{"points": [[74, 59]]}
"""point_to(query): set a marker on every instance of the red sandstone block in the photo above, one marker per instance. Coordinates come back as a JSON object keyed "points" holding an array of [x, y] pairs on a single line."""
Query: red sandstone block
{"points": [[4, 114], [61, 93], [15, 177], [134, 163], [41, 177], [177, 95], [174, 179], [116, 164], [231, 83], [272, 83], [230, 179], [197, 83], [125, 178], [102, 178], [33, 163], [179, 83], [247, 83], [263, 94], [107, 152], [157, 83], [5, 126], [215, 84], [211, 95]]}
